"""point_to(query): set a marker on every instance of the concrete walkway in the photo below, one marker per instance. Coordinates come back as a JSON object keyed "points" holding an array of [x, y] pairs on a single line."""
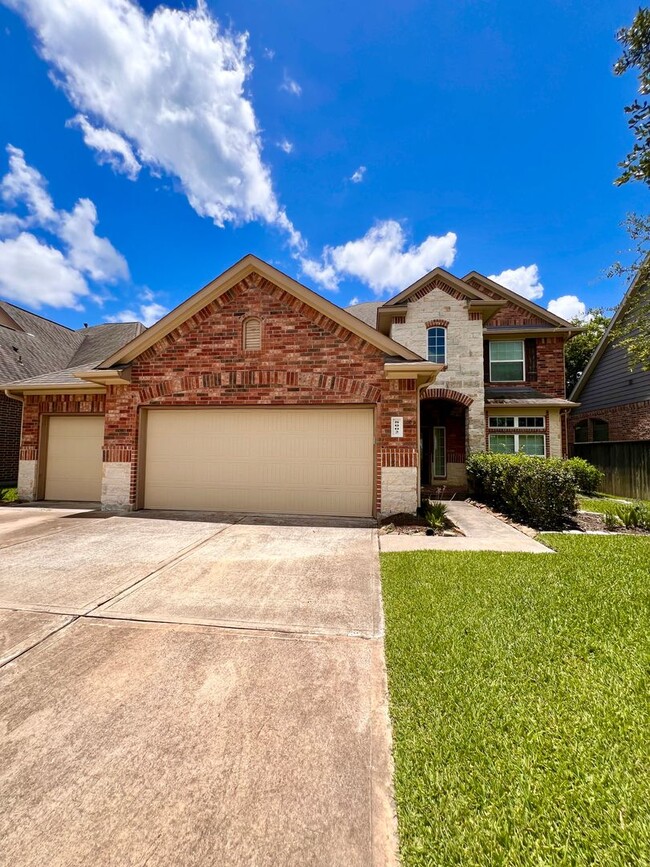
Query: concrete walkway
{"points": [[192, 689], [483, 532]]}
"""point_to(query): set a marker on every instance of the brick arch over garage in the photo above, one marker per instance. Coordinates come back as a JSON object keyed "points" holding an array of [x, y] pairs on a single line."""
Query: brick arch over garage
{"points": [[447, 394], [260, 380]]}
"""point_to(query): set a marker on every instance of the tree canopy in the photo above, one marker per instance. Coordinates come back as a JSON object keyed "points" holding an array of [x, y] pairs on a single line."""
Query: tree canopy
{"points": [[580, 348], [632, 330]]}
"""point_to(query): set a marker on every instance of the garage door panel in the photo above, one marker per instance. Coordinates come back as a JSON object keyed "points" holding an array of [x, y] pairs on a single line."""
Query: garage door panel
{"points": [[74, 458], [316, 461]]}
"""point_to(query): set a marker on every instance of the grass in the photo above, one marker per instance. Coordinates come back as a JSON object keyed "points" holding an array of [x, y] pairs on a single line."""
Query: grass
{"points": [[601, 503], [519, 701]]}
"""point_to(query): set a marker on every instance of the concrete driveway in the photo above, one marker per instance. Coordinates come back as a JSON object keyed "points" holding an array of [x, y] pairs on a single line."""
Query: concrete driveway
{"points": [[191, 689]]}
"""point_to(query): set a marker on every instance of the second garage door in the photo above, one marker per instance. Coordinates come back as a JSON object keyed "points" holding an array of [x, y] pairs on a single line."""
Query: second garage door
{"points": [[73, 469], [292, 461]]}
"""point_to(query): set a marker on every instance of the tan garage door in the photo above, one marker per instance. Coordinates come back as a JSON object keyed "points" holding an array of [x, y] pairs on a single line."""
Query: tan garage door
{"points": [[293, 461], [73, 468]]}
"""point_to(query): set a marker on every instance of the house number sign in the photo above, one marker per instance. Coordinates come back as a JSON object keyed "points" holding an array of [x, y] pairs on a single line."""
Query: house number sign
{"points": [[397, 426]]}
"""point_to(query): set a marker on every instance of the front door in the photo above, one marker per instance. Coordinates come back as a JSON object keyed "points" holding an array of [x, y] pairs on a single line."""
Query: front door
{"points": [[439, 454]]}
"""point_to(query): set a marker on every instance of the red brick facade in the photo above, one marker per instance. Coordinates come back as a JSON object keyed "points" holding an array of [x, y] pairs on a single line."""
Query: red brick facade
{"points": [[627, 423], [306, 359]]}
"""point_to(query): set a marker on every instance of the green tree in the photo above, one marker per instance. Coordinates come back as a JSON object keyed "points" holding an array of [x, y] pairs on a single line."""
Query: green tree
{"points": [[580, 348], [632, 330]]}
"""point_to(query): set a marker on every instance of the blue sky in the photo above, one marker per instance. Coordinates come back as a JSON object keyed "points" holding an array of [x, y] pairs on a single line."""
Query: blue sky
{"points": [[354, 146]]}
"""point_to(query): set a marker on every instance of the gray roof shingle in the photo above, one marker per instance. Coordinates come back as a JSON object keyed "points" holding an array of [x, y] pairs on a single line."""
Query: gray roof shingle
{"points": [[40, 351]]}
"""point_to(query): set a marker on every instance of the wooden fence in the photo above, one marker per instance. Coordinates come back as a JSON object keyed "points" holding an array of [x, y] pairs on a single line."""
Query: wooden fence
{"points": [[626, 466]]}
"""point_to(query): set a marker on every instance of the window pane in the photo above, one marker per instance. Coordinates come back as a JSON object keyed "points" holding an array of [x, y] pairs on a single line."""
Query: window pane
{"points": [[507, 350], [502, 444], [439, 454], [601, 430], [507, 371], [581, 432], [532, 444], [531, 421], [436, 345], [502, 421]]}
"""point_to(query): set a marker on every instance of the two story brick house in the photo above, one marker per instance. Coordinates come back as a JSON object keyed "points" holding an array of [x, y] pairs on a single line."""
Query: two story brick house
{"points": [[503, 385], [257, 394]]}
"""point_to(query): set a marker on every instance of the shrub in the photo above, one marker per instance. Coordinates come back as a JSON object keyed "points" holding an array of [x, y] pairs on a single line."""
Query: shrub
{"points": [[588, 477], [436, 515], [627, 515], [537, 491], [9, 495]]}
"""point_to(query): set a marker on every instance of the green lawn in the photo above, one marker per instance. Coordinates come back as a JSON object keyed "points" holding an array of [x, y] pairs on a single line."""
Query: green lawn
{"points": [[602, 502], [519, 698]]}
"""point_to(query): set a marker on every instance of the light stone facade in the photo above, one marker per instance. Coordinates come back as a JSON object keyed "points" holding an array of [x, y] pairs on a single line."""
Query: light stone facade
{"points": [[399, 490], [27, 480], [116, 486], [464, 353]]}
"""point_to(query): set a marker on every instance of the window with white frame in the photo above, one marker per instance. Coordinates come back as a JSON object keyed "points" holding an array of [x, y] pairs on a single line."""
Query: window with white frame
{"points": [[514, 444], [437, 345], [507, 361], [527, 421]]}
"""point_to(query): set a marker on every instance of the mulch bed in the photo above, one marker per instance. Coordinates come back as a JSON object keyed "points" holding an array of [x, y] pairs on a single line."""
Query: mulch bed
{"points": [[590, 522], [414, 525], [581, 522]]}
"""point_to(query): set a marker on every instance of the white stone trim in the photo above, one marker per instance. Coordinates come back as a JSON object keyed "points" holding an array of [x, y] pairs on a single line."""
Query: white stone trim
{"points": [[116, 486]]}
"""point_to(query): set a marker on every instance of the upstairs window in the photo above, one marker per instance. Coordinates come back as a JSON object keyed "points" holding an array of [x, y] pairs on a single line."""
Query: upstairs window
{"points": [[507, 361], [252, 338], [437, 345]]}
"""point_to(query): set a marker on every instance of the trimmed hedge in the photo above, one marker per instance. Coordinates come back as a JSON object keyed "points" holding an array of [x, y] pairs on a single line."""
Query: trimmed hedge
{"points": [[588, 477], [537, 491]]}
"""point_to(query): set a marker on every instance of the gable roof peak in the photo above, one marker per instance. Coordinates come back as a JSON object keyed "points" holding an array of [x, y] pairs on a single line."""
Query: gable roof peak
{"points": [[516, 298], [247, 265]]}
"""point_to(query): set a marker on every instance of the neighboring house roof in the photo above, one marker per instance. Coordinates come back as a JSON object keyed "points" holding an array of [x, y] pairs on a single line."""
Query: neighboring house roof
{"points": [[31, 344], [248, 265], [35, 350], [605, 344], [498, 396]]}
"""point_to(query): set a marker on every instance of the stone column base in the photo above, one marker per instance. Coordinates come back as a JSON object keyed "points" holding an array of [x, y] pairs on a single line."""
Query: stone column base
{"points": [[116, 487], [399, 490], [27, 479]]}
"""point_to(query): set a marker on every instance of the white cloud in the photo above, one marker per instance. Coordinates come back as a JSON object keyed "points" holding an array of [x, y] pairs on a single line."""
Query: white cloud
{"points": [[89, 253], [322, 273], [357, 176], [382, 259], [38, 273], [290, 85], [569, 307], [523, 280], [268, 53], [353, 301], [171, 85], [112, 148], [286, 146], [148, 311], [35, 274], [24, 185]]}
